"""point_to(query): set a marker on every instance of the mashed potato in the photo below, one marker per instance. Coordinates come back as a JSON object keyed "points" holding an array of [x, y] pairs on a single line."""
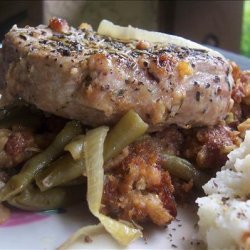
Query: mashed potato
{"points": [[224, 215]]}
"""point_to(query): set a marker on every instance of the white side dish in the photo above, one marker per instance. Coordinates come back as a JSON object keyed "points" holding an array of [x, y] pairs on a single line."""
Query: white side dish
{"points": [[225, 213]]}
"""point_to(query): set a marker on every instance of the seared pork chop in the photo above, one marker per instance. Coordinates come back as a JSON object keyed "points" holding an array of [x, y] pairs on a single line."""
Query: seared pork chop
{"points": [[80, 74]]}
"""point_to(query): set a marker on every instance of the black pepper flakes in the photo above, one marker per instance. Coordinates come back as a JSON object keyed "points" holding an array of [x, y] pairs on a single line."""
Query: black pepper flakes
{"points": [[43, 42], [23, 37], [207, 85], [198, 96], [228, 83], [241, 215], [87, 239], [224, 199], [65, 52], [215, 184], [145, 64], [216, 79], [120, 92]]}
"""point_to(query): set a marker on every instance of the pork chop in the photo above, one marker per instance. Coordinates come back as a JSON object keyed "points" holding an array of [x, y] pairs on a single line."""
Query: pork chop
{"points": [[80, 74]]}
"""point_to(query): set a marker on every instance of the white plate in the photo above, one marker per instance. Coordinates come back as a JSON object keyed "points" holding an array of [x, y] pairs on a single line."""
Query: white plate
{"points": [[47, 230]]}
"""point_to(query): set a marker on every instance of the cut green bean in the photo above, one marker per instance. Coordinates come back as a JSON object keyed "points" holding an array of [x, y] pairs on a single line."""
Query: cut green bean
{"points": [[32, 199], [127, 130], [75, 182], [183, 169], [19, 182], [60, 172], [75, 147]]}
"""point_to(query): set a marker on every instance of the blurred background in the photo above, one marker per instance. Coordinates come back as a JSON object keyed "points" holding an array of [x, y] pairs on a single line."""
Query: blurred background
{"points": [[224, 24]]}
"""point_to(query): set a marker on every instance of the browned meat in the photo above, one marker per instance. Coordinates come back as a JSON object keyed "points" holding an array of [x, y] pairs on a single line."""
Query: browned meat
{"points": [[4, 177], [19, 144], [241, 96], [170, 139], [136, 175], [138, 189], [208, 147], [245, 86], [18, 147], [96, 79]]}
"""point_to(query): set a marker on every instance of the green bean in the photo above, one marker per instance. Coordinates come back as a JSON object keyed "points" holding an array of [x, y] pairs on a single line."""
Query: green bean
{"points": [[183, 169], [128, 129], [75, 147], [61, 171], [20, 181], [75, 182], [32, 199]]}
